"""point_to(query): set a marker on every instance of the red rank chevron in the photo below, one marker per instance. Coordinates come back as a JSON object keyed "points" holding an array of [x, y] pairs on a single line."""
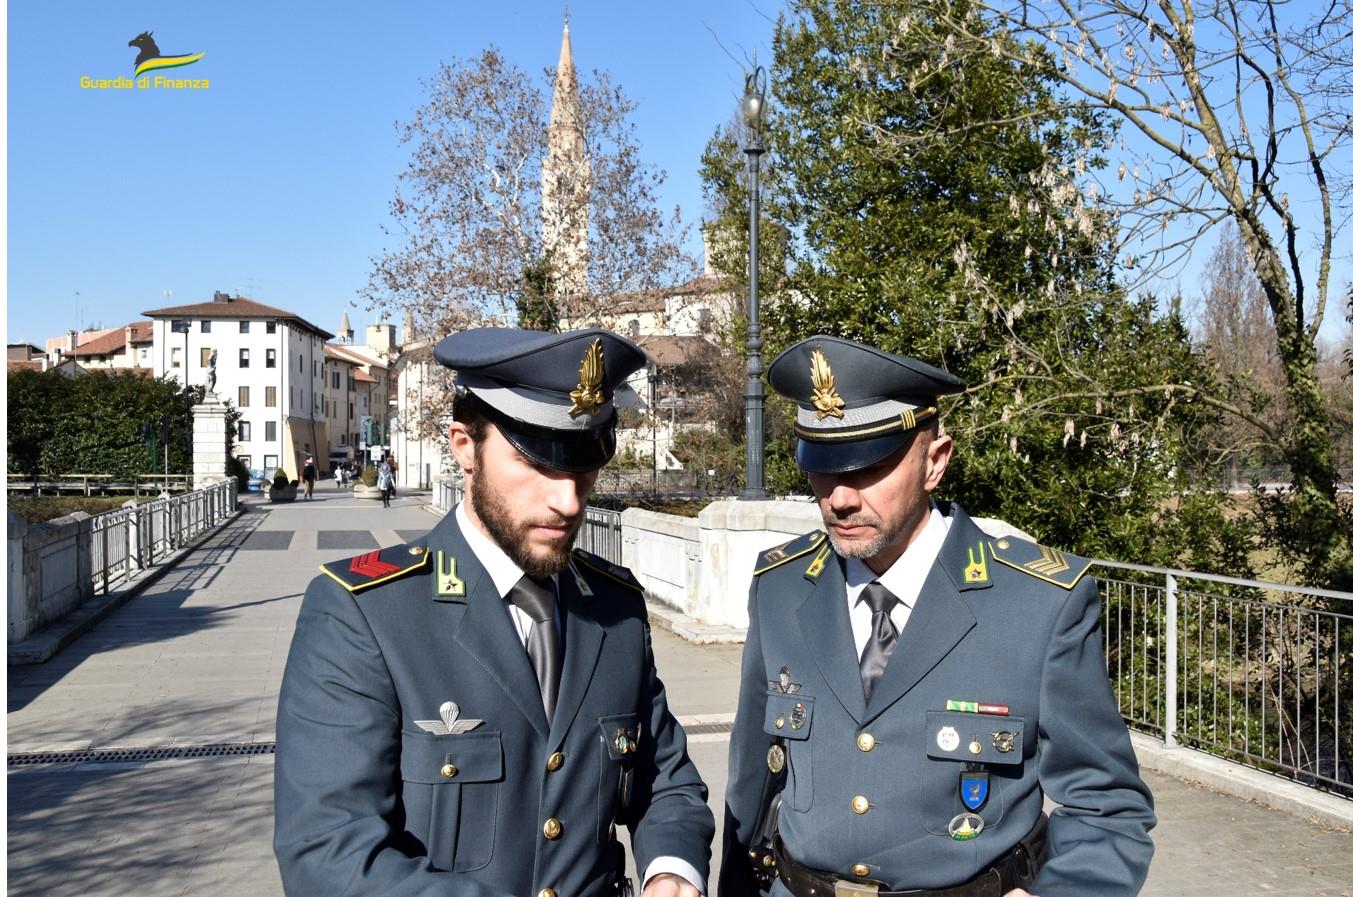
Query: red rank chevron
{"points": [[371, 565]]}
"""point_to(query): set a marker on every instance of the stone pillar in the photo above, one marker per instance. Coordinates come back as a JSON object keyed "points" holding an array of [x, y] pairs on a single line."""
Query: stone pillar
{"points": [[20, 608], [209, 441]]}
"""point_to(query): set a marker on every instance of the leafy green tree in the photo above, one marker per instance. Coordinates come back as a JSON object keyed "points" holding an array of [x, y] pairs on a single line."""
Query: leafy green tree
{"points": [[96, 423], [979, 253]]}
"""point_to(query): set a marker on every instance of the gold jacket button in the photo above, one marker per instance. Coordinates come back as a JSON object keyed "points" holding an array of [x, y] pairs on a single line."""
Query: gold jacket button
{"points": [[865, 742], [859, 870], [779, 722], [449, 771], [546, 892], [553, 828], [556, 760], [860, 804]]}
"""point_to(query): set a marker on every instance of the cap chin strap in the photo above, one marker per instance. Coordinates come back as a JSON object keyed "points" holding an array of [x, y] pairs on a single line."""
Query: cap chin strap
{"points": [[905, 420]]}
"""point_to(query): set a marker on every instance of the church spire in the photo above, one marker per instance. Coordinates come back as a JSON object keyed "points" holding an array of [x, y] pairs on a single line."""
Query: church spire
{"points": [[566, 184]]}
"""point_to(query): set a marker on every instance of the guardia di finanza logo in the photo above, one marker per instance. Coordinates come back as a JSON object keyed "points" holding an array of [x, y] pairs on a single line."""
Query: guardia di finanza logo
{"points": [[148, 68]]}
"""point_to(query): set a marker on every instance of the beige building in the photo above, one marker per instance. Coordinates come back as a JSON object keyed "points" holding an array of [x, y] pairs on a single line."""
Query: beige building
{"points": [[122, 348]]}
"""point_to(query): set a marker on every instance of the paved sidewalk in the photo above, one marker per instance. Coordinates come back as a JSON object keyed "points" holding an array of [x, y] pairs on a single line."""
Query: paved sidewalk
{"points": [[197, 660]]}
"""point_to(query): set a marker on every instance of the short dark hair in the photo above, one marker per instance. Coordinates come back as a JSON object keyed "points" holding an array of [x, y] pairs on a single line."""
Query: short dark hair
{"points": [[469, 410]]}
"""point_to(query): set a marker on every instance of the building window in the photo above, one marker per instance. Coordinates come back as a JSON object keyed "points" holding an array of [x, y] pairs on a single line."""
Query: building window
{"points": [[342, 438], [242, 431], [336, 381], [175, 359], [270, 396], [244, 358], [270, 431], [317, 370], [269, 463], [300, 365], [270, 358], [206, 326], [206, 357], [244, 397], [179, 326], [350, 409], [244, 326], [246, 460], [271, 327]]}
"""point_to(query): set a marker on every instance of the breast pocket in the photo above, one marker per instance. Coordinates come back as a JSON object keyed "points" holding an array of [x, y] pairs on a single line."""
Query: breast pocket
{"points": [[995, 744], [451, 785], [619, 735], [790, 718]]}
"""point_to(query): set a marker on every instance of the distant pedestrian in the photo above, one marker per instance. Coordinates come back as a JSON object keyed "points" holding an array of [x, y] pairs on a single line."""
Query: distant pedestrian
{"points": [[308, 475], [385, 482]]}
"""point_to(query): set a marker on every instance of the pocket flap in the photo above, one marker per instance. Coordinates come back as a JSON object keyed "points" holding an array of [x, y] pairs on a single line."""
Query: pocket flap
{"points": [[451, 759], [789, 716], [620, 734], [976, 737]]}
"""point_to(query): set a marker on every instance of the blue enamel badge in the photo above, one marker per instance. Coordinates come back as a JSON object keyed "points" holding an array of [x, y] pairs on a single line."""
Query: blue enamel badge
{"points": [[973, 788]]}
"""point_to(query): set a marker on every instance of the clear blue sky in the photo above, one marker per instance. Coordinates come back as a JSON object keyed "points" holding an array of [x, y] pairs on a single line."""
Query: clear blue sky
{"points": [[275, 181]]}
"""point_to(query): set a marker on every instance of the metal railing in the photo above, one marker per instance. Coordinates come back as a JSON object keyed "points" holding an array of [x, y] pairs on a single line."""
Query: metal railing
{"points": [[133, 539], [100, 484], [1256, 672], [600, 532]]}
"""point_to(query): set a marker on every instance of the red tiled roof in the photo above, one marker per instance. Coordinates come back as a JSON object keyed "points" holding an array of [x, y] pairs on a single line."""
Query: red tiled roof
{"points": [[21, 365], [116, 341], [363, 377], [332, 352], [236, 307], [679, 350]]}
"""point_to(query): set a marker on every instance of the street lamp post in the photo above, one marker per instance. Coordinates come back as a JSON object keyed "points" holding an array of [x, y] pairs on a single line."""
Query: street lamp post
{"points": [[753, 107]]}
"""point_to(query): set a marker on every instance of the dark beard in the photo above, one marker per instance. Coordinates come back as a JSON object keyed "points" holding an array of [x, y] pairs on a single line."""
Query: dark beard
{"points": [[492, 511]]}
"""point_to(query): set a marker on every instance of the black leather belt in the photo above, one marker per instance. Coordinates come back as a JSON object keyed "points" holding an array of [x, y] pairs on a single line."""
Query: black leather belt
{"points": [[1016, 869]]}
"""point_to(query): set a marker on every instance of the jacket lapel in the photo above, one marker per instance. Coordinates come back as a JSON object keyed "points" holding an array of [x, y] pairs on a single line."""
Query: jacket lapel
{"points": [[583, 637], [825, 625], [938, 622], [485, 631]]}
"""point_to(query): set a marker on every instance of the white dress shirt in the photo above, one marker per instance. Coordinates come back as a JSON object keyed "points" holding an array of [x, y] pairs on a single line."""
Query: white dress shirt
{"points": [[904, 579], [505, 574]]}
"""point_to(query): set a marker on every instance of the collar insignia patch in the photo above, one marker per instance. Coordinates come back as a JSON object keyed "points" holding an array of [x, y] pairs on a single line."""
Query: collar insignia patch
{"points": [[449, 585], [976, 571]]}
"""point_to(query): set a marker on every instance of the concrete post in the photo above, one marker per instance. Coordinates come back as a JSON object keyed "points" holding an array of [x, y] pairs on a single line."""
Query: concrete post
{"points": [[20, 614], [135, 563], [209, 441]]}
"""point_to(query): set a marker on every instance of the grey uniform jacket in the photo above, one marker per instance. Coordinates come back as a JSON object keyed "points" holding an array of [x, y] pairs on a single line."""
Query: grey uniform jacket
{"points": [[369, 803], [997, 621]]}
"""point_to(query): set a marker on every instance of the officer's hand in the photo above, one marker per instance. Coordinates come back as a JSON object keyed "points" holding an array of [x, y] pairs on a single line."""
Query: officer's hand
{"points": [[667, 884], [1018, 892]]}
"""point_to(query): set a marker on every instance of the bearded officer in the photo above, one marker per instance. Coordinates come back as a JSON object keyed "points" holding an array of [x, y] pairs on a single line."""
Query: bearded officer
{"points": [[473, 714], [912, 687]]}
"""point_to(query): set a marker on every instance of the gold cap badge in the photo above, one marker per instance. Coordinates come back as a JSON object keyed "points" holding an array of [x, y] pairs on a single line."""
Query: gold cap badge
{"points": [[587, 398], [826, 399]]}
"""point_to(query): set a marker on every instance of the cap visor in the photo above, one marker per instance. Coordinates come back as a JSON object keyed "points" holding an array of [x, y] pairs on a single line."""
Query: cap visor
{"points": [[845, 456], [573, 456]]}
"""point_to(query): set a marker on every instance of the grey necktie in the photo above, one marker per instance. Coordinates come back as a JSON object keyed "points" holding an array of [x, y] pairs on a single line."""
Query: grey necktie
{"points": [[536, 598], [882, 636]]}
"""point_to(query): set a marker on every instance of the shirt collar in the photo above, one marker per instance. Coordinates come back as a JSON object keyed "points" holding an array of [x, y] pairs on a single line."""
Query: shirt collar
{"points": [[501, 569], [907, 574]]}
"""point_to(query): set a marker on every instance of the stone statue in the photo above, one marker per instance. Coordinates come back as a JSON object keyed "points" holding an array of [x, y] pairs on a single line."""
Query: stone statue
{"points": [[211, 373]]}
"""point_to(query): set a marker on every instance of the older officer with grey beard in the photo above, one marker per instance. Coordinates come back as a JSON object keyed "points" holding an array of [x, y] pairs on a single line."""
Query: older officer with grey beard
{"points": [[913, 688]]}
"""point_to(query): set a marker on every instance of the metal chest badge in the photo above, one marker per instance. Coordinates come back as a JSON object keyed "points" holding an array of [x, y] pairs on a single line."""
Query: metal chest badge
{"points": [[966, 826], [775, 758], [796, 716]]}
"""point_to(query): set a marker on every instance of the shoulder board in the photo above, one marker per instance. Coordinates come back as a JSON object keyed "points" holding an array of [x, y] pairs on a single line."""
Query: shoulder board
{"points": [[376, 567], [1040, 561], [781, 554], [613, 572]]}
